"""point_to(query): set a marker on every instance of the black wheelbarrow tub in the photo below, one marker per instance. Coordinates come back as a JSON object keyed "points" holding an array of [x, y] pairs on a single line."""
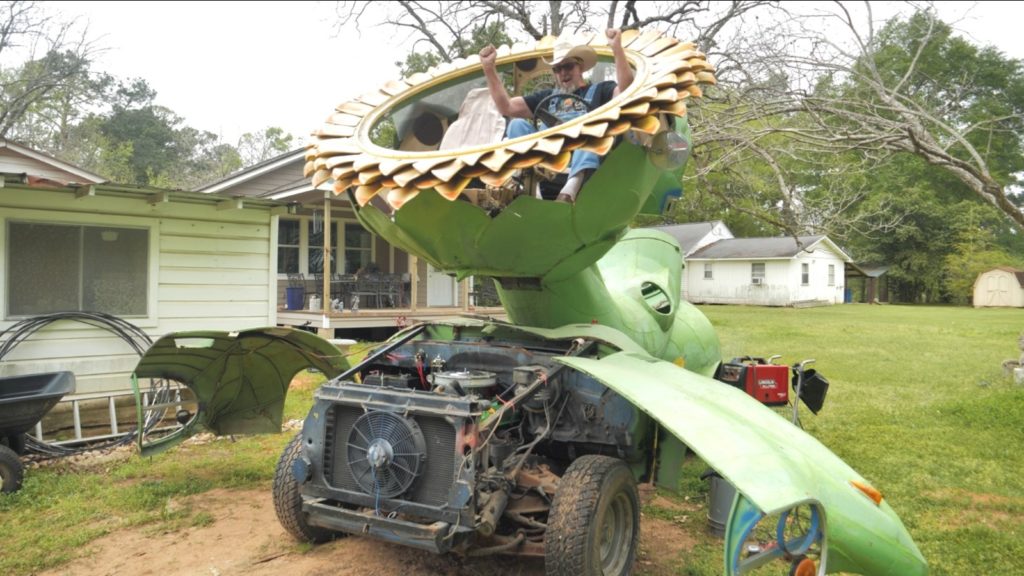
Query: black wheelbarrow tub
{"points": [[24, 400]]}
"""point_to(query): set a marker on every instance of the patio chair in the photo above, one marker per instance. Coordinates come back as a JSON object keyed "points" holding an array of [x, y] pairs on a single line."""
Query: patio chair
{"points": [[367, 288]]}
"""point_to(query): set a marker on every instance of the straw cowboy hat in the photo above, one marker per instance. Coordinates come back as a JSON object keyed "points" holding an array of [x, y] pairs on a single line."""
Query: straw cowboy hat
{"points": [[566, 48]]}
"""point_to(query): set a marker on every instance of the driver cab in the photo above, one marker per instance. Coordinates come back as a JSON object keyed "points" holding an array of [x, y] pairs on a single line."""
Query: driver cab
{"points": [[461, 115]]}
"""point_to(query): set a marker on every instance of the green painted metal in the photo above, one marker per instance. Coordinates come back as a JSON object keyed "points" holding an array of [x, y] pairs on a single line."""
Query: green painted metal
{"points": [[240, 378], [774, 465]]}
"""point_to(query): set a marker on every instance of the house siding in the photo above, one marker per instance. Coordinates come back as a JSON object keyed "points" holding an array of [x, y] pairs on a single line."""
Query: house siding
{"points": [[782, 285], [208, 270]]}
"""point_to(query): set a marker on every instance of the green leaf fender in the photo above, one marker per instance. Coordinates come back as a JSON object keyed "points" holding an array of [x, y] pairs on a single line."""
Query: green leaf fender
{"points": [[240, 379], [774, 466]]}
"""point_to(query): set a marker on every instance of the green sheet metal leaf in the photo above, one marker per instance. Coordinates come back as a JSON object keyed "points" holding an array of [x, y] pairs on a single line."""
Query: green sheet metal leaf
{"points": [[240, 379]]}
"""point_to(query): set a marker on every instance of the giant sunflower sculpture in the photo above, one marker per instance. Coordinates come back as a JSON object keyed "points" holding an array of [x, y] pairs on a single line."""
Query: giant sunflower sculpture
{"points": [[667, 72]]}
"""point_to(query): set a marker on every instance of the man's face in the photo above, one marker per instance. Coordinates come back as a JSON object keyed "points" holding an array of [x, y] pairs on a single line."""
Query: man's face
{"points": [[568, 74]]}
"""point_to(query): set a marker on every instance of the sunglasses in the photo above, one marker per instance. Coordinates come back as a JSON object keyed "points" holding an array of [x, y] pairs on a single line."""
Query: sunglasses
{"points": [[563, 67]]}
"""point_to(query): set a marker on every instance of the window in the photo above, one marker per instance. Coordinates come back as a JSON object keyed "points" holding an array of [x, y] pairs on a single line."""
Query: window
{"points": [[831, 274], [59, 267], [805, 274], [288, 247], [358, 248], [757, 273], [316, 247], [707, 271]]}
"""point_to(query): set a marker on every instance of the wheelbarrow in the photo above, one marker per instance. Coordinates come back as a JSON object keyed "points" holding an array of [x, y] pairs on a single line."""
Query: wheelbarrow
{"points": [[24, 400]]}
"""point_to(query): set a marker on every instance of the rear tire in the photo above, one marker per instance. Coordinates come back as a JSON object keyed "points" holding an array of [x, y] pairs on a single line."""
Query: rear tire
{"points": [[288, 499], [12, 472], [594, 523], [17, 443]]}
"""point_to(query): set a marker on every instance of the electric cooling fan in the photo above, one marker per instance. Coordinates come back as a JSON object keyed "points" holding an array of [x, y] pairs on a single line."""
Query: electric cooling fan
{"points": [[385, 452]]}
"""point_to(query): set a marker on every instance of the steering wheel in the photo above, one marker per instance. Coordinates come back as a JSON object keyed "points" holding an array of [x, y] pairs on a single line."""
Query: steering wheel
{"points": [[571, 102]]}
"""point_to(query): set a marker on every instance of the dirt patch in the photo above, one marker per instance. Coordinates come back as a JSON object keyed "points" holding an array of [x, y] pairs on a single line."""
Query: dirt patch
{"points": [[235, 533]]}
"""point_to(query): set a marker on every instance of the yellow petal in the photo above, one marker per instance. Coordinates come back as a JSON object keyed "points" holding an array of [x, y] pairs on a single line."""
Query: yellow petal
{"points": [[647, 124], [706, 77], [320, 177], [558, 162], [406, 176], [549, 145], [497, 159], [343, 184], [451, 190], [448, 171], [369, 176], [343, 119], [599, 146], [524, 161], [659, 45], [638, 109], [389, 166], [335, 130], [338, 146], [365, 193], [394, 87], [497, 178], [375, 98], [397, 197], [355, 108]]}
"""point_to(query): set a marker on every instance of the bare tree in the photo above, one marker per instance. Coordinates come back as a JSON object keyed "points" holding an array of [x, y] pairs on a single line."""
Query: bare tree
{"points": [[833, 85], [439, 25], [769, 115], [55, 55]]}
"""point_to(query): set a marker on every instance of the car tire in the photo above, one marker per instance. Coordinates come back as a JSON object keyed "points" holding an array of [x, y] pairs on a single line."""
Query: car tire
{"points": [[12, 472], [594, 522], [288, 499]]}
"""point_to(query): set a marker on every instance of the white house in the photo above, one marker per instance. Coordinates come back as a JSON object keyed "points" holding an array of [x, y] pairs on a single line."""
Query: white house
{"points": [[696, 235], [162, 260], [1002, 286], [766, 271], [302, 233]]}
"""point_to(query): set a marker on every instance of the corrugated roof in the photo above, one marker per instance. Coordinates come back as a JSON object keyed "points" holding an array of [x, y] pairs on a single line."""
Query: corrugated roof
{"points": [[748, 248], [688, 235]]}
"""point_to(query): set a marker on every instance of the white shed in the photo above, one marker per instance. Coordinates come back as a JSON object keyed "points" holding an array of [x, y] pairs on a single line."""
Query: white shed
{"points": [[162, 260], [1002, 286], [766, 272]]}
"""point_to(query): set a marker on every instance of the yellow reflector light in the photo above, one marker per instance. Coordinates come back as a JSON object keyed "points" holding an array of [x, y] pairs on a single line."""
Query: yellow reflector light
{"points": [[868, 491]]}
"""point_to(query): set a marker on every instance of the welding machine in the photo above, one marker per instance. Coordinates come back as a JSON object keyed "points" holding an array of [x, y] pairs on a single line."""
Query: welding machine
{"points": [[768, 383]]}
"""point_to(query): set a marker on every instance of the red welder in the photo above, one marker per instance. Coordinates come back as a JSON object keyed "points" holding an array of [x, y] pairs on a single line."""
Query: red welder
{"points": [[766, 382]]}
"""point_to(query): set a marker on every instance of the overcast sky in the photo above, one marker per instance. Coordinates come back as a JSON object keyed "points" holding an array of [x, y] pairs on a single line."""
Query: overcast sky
{"points": [[235, 67]]}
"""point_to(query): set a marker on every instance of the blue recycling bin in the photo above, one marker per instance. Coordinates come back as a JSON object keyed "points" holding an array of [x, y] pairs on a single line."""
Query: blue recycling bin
{"points": [[848, 296], [293, 297]]}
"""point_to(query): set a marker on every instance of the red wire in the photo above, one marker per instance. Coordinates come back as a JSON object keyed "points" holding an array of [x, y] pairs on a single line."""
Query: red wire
{"points": [[419, 369]]}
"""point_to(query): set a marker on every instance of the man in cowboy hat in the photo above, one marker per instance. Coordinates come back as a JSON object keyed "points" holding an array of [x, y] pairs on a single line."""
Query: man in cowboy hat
{"points": [[568, 62]]}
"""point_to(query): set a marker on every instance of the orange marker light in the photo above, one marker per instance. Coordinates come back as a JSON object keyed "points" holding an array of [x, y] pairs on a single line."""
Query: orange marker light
{"points": [[803, 567], [868, 491]]}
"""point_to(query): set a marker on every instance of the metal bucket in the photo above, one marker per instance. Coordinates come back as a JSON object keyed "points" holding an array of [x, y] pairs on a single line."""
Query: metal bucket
{"points": [[720, 497]]}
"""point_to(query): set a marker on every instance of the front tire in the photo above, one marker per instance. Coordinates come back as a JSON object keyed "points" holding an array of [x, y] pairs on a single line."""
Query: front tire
{"points": [[594, 523], [288, 499], [12, 472]]}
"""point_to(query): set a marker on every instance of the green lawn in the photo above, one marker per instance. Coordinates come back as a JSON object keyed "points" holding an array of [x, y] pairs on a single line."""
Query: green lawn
{"points": [[918, 405]]}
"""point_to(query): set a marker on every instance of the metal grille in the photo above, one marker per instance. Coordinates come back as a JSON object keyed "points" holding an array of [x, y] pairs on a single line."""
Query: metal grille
{"points": [[431, 488]]}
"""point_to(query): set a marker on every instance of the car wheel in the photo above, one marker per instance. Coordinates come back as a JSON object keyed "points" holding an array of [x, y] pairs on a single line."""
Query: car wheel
{"points": [[594, 523]]}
